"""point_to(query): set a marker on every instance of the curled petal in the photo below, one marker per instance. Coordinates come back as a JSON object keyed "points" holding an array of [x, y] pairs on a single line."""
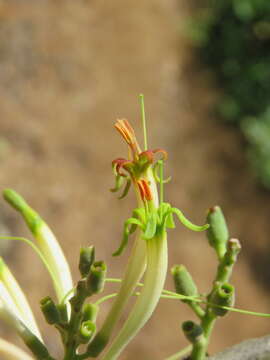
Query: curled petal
{"points": [[121, 163], [148, 155], [161, 151]]}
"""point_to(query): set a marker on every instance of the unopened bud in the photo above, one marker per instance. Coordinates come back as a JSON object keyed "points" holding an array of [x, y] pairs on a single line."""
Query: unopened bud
{"points": [[86, 331], [63, 312], [192, 331], [183, 282], [87, 257], [50, 310], [217, 233], [96, 277], [222, 295], [90, 312]]}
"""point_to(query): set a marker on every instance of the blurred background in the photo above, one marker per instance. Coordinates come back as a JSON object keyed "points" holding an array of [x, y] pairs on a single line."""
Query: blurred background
{"points": [[68, 70]]}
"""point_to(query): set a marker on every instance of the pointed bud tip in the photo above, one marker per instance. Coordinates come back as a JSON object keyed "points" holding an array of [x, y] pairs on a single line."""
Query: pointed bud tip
{"points": [[213, 209], [234, 243], [14, 199]]}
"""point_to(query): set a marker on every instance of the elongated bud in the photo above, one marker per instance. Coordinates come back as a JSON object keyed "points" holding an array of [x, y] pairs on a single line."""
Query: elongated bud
{"points": [[192, 331], [86, 332], [217, 233], [183, 282], [46, 242], [63, 313], [50, 310], [90, 312], [222, 295], [96, 277], [17, 202], [87, 257]]}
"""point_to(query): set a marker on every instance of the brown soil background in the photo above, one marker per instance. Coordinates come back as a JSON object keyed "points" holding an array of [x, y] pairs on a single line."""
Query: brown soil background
{"points": [[68, 69]]}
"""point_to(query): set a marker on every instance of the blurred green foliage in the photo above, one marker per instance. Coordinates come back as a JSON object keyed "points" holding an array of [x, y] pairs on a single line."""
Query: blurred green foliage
{"points": [[233, 39]]}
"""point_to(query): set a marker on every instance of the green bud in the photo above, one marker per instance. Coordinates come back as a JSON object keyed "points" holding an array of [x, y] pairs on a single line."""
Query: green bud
{"points": [[90, 312], [96, 278], [87, 257], [183, 282], [222, 295], [86, 331], [31, 217], [50, 311], [192, 331], [217, 233], [63, 312]]}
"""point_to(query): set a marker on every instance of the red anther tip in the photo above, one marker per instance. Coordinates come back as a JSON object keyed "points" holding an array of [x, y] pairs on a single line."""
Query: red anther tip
{"points": [[126, 130]]}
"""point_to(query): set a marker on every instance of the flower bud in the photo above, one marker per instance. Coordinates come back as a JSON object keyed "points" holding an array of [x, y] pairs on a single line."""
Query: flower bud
{"points": [[63, 312], [217, 233], [50, 311], [192, 331], [86, 331], [183, 282], [222, 295], [87, 257], [90, 312], [96, 278]]}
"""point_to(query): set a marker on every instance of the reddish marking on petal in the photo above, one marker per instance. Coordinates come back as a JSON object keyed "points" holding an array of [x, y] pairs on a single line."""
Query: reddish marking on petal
{"points": [[119, 164]]}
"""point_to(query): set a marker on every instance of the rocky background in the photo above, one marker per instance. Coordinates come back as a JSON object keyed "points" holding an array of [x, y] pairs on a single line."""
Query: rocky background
{"points": [[68, 69]]}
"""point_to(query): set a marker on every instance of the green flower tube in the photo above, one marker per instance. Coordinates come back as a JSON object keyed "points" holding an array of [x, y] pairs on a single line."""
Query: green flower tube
{"points": [[153, 284]]}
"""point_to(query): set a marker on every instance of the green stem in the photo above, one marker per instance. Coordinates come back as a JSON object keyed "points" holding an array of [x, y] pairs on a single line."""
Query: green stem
{"points": [[180, 354], [197, 309], [208, 320], [143, 122], [147, 301]]}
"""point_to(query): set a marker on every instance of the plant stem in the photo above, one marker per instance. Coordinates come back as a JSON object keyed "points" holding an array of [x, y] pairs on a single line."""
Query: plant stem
{"points": [[180, 353], [208, 320]]}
